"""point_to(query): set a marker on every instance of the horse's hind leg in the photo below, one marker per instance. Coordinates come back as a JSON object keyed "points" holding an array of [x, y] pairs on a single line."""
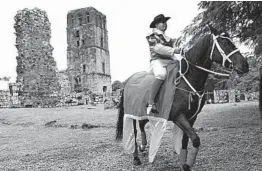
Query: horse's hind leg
{"points": [[136, 160], [183, 123], [142, 124]]}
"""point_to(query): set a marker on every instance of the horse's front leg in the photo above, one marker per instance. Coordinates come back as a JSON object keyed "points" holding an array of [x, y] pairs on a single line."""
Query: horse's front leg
{"points": [[136, 160], [182, 122], [142, 124], [183, 152]]}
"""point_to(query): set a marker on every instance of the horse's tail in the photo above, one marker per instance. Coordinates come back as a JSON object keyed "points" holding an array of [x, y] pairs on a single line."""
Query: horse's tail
{"points": [[120, 120]]}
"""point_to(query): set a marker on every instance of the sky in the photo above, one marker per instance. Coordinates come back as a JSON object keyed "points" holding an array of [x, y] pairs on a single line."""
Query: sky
{"points": [[127, 23]]}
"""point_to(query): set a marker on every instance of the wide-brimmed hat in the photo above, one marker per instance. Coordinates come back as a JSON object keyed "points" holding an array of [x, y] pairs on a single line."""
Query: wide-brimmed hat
{"points": [[157, 19]]}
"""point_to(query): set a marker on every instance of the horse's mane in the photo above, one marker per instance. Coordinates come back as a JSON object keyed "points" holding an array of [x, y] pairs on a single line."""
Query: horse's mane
{"points": [[198, 49]]}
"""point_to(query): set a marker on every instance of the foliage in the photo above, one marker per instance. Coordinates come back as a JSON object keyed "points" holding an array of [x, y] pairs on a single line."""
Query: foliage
{"points": [[250, 81], [242, 19], [116, 85], [5, 78]]}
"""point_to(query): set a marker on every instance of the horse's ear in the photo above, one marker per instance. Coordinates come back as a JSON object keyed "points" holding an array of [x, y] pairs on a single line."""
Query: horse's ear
{"points": [[212, 30]]}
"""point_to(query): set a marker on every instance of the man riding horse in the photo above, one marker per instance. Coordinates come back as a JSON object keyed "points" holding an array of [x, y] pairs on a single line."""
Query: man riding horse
{"points": [[179, 100], [162, 51]]}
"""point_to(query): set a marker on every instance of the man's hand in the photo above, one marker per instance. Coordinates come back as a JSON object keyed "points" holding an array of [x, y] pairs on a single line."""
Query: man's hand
{"points": [[177, 57]]}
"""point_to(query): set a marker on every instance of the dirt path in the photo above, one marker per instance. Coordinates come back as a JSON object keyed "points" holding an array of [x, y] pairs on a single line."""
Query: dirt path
{"points": [[231, 137]]}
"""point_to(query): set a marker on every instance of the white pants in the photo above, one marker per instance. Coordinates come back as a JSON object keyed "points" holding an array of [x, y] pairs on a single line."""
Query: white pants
{"points": [[158, 67]]}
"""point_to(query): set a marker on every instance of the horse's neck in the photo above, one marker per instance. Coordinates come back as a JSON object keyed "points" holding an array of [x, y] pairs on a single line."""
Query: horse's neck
{"points": [[198, 55]]}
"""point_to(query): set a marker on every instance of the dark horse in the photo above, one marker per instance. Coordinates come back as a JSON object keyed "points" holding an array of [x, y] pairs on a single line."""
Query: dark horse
{"points": [[215, 47]]}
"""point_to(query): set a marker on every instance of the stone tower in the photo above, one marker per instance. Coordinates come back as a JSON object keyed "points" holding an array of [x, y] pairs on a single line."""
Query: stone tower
{"points": [[36, 68], [87, 51]]}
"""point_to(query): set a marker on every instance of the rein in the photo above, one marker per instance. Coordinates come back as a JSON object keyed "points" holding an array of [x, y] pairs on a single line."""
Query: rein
{"points": [[194, 91], [210, 71]]}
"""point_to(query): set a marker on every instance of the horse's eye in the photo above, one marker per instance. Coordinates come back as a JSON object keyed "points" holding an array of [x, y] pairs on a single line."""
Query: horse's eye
{"points": [[224, 43]]}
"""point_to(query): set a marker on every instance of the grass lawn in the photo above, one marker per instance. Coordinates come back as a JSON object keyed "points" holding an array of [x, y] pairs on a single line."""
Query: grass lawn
{"points": [[231, 137]]}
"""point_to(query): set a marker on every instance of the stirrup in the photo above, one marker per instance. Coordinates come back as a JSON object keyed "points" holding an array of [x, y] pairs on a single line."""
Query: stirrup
{"points": [[149, 108]]}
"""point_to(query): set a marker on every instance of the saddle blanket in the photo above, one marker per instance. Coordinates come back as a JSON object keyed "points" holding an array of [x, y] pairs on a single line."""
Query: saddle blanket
{"points": [[136, 94]]}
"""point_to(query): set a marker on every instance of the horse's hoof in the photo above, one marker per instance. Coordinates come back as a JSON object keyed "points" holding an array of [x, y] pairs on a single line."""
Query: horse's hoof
{"points": [[185, 167], [137, 161]]}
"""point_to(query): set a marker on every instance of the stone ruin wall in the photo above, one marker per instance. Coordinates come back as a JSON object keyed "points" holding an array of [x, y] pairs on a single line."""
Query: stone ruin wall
{"points": [[36, 68], [39, 83], [64, 83], [87, 50]]}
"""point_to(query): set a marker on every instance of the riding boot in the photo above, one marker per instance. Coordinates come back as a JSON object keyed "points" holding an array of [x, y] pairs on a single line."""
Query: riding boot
{"points": [[154, 90]]}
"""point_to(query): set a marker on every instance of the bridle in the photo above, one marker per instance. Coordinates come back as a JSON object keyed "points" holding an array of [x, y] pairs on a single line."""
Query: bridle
{"points": [[221, 51], [225, 58]]}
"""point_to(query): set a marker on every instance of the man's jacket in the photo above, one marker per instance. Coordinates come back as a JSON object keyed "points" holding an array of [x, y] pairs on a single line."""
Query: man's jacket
{"points": [[161, 46]]}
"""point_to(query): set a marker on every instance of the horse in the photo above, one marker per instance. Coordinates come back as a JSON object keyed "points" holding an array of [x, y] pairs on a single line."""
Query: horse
{"points": [[214, 47]]}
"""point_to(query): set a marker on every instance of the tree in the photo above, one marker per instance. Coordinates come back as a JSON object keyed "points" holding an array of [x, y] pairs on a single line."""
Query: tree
{"points": [[116, 85], [5, 78], [250, 81]]}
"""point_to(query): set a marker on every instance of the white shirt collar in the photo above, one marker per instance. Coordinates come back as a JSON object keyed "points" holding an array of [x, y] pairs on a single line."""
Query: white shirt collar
{"points": [[155, 30]]}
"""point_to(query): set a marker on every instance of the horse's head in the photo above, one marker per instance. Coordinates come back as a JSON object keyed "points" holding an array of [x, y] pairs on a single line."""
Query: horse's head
{"points": [[226, 53]]}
